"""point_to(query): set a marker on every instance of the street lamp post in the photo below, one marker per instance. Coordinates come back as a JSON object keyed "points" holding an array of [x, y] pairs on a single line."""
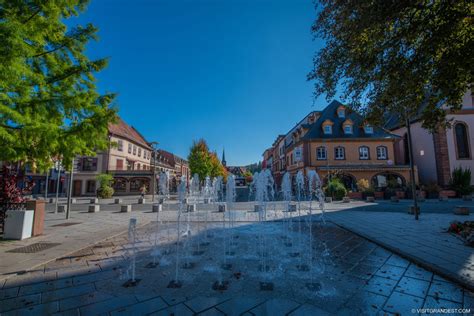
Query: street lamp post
{"points": [[412, 169], [68, 211], [154, 144], [58, 179]]}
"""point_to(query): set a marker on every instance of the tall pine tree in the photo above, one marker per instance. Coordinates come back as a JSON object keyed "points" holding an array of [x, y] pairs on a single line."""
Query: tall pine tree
{"points": [[49, 104]]}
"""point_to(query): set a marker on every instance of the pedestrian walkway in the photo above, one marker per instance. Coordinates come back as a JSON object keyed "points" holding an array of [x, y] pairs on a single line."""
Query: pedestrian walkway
{"points": [[425, 241]]}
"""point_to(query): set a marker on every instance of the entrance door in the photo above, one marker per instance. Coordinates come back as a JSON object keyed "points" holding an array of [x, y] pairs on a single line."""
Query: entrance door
{"points": [[77, 188]]}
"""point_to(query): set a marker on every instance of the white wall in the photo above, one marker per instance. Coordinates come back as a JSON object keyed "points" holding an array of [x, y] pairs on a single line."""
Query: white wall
{"points": [[423, 151]]}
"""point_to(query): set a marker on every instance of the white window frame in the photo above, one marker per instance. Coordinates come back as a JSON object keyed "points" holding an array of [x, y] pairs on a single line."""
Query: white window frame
{"points": [[380, 150], [321, 153], [337, 153], [364, 153]]}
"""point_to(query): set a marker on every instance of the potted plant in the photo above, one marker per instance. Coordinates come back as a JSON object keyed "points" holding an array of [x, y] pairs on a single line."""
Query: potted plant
{"points": [[105, 190], [461, 182], [336, 189], [432, 190], [18, 221]]}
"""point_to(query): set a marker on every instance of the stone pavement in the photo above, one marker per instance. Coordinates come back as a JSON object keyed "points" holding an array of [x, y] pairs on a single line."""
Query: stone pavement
{"points": [[86, 229], [425, 241], [358, 278]]}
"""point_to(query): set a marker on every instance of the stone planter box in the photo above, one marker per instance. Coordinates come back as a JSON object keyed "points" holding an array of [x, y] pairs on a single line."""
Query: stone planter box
{"points": [[411, 210], [346, 199], [126, 208], [461, 210], [94, 208], [222, 208], [118, 201], [141, 201], [378, 195], [355, 195], [94, 201], [394, 199], [191, 208], [18, 224], [291, 207], [157, 208], [328, 199], [400, 194], [370, 199], [61, 208], [447, 193]]}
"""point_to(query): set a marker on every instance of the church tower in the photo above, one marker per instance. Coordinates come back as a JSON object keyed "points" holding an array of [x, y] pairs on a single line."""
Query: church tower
{"points": [[224, 163]]}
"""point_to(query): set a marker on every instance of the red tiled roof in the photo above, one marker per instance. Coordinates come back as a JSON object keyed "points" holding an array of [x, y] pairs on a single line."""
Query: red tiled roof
{"points": [[122, 129], [169, 157]]}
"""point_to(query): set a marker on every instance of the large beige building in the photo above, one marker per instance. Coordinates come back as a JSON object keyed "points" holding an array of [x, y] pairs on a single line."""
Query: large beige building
{"points": [[128, 159], [337, 141]]}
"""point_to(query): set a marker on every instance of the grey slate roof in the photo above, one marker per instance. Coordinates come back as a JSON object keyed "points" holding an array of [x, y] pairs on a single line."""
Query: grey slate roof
{"points": [[330, 112]]}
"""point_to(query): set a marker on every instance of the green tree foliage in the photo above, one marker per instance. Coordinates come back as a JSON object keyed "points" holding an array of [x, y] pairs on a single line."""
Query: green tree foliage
{"points": [[217, 169], [49, 104], [205, 163], [398, 57], [199, 159], [336, 189]]}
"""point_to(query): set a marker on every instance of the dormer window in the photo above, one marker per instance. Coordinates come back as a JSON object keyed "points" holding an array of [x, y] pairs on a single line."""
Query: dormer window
{"points": [[347, 125], [368, 129], [327, 129], [341, 112]]}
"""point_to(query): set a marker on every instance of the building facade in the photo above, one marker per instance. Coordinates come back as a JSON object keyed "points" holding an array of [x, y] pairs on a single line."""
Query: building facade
{"points": [[438, 154], [337, 142], [128, 159]]}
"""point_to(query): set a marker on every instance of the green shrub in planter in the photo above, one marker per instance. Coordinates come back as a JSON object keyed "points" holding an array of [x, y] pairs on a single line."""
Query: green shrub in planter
{"points": [[461, 181], [105, 190], [336, 189]]}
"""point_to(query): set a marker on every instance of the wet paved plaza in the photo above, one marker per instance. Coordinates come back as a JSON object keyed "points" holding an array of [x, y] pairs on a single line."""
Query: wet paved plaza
{"points": [[349, 275]]}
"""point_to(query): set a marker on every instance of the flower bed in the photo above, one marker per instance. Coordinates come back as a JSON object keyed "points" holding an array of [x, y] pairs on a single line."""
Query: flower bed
{"points": [[464, 230]]}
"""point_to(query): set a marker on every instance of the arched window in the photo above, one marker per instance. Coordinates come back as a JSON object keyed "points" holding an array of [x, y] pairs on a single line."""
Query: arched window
{"points": [[339, 153], [364, 153], [321, 153], [382, 153], [462, 141]]}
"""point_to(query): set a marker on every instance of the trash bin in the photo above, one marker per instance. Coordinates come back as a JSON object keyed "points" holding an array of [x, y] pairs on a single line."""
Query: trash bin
{"points": [[38, 219]]}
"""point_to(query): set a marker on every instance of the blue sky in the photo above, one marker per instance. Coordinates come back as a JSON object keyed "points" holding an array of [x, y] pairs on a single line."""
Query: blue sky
{"points": [[230, 71]]}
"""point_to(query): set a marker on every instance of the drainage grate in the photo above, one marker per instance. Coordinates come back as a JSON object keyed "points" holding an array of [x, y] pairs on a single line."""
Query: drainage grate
{"points": [[33, 248], [65, 224]]}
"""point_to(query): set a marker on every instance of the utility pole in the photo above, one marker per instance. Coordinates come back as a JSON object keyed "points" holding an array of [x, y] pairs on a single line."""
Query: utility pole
{"points": [[68, 211], [412, 168]]}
